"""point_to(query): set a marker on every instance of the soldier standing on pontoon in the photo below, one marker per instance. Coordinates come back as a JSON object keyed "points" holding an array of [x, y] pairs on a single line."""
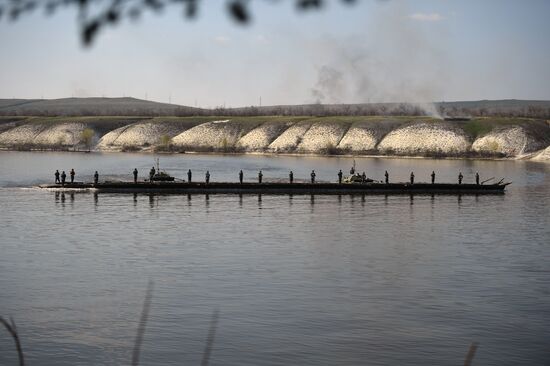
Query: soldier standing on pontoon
{"points": [[207, 177], [313, 176], [135, 175], [412, 177], [189, 176], [387, 176], [291, 177], [433, 177], [96, 177], [460, 176], [364, 177], [72, 175], [477, 178], [152, 174], [260, 175], [340, 177], [241, 176], [56, 174]]}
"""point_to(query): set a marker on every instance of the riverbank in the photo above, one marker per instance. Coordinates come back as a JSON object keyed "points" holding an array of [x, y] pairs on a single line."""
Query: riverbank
{"points": [[484, 137]]}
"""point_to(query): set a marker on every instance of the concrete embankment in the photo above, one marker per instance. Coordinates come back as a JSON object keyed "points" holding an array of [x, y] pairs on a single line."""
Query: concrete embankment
{"points": [[400, 136]]}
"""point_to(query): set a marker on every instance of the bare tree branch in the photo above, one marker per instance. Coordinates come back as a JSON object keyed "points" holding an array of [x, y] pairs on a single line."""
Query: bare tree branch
{"points": [[470, 355], [93, 15], [12, 329], [210, 338], [142, 324]]}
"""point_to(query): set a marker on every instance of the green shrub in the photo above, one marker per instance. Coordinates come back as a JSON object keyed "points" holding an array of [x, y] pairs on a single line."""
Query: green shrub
{"points": [[87, 137]]}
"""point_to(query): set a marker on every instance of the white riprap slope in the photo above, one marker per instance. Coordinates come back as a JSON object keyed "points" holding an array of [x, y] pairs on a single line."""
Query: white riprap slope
{"points": [[215, 135], [323, 137], [139, 135], [44, 134], [262, 136], [425, 138], [509, 141]]}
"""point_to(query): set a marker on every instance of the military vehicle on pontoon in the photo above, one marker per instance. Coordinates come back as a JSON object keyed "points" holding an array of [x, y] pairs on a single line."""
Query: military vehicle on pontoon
{"points": [[161, 176], [355, 177]]}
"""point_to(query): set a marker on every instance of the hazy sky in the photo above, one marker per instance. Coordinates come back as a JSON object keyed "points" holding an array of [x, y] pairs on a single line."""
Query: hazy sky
{"points": [[392, 50]]}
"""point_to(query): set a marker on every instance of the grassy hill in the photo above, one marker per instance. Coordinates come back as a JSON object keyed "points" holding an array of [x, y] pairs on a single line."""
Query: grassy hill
{"points": [[91, 107]]}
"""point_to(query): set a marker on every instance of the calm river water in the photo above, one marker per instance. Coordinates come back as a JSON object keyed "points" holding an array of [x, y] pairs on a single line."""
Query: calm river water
{"points": [[324, 280]]}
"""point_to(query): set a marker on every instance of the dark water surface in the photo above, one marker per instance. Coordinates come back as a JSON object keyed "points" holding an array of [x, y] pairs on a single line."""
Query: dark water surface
{"points": [[324, 280]]}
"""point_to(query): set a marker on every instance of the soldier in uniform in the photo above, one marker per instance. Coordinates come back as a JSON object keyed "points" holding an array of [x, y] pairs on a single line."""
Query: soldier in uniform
{"points": [[340, 177], [207, 177], [291, 177], [477, 178], [96, 177], [56, 174], [352, 171], [135, 175], [260, 175], [460, 176], [433, 177], [63, 177], [313, 176], [412, 178], [152, 174], [364, 177], [189, 175], [72, 175], [387, 176], [241, 176]]}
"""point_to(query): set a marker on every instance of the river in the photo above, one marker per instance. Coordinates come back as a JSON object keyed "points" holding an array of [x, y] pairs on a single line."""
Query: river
{"points": [[301, 280]]}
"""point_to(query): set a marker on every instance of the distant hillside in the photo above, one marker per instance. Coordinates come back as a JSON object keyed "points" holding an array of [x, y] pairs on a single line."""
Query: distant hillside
{"points": [[136, 107], [91, 107]]}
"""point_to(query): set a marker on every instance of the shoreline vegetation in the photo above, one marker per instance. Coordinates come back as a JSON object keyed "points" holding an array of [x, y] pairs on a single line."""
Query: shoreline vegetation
{"points": [[510, 129]]}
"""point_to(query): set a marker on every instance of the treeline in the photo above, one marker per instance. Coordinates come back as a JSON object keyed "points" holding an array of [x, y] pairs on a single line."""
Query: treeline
{"points": [[135, 107], [323, 110], [456, 109], [530, 111]]}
